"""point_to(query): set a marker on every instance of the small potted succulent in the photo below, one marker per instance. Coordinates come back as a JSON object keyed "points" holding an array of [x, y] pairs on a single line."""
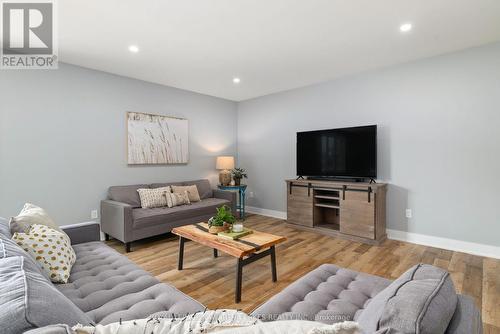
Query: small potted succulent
{"points": [[238, 174], [222, 221]]}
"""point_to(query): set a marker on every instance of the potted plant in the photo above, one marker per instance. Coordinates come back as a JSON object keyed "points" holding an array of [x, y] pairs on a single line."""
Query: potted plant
{"points": [[222, 221], [238, 174]]}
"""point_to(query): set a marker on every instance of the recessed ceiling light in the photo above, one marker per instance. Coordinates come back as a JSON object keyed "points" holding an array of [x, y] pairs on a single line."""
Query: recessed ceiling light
{"points": [[133, 48], [406, 27], [236, 80]]}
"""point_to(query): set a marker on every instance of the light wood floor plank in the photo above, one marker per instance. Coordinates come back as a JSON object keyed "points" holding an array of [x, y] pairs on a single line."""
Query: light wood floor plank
{"points": [[491, 292]]}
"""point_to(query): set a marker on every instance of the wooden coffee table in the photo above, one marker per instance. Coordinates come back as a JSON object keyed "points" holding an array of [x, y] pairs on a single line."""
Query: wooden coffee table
{"points": [[247, 249]]}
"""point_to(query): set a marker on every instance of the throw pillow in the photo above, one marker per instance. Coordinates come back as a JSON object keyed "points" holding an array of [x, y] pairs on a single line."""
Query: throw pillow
{"points": [[192, 191], [51, 249], [153, 198], [29, 215], [176, 199], [421, 300]]}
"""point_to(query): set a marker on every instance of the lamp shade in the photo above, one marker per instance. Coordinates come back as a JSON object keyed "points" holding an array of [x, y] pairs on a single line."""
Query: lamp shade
{"points": [[225, 162]]}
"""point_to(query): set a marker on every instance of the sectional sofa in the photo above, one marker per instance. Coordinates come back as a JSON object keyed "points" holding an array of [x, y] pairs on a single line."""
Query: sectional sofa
{"points": [[106, 287], [103, 287], [123, 218]]}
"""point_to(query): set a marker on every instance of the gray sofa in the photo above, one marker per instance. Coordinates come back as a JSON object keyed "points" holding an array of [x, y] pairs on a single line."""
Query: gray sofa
{"points": [[104, 287], [123, 218], [422, 300]]}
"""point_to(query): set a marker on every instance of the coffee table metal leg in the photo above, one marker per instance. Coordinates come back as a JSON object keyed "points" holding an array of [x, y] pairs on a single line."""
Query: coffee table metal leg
{"points": [[273, 264], [181, 252], [239, 273], [215, 253]]}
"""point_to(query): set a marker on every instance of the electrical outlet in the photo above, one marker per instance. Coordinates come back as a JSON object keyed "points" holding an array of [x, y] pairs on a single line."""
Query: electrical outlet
{"points": [[409, 214], [251, 194], [94, 214]]}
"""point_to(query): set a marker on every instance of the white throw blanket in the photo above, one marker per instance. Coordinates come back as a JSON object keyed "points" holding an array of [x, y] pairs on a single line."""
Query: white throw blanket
{"points": [[197, 323], [217, 321]]}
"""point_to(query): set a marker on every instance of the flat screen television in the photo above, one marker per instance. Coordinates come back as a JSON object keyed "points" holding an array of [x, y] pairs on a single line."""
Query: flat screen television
{"points": [[338, 153]]}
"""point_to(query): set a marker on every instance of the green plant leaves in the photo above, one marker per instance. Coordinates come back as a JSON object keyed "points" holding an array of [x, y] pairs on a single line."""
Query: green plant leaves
{"points": [[239, 173], [223, 215]]}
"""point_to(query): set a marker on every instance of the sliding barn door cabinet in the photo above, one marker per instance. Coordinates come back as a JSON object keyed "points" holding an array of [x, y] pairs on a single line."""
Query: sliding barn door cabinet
{"points": [[355, 211]]}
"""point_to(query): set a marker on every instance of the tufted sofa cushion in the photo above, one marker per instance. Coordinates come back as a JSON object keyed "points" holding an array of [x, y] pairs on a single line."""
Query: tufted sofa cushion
{"points": [[328, 294], [159, 297], [108, 286]]}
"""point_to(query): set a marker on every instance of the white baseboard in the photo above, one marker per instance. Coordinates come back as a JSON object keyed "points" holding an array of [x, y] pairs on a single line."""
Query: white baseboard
{"points": [[266, 212], [415, 238], [445, 243]]}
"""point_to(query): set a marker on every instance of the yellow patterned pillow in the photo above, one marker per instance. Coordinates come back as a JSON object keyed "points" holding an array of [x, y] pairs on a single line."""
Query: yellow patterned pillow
{"points": [[50, 248]]}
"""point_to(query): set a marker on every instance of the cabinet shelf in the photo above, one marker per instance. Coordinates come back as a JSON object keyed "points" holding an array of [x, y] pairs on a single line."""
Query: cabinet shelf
{"points": [[330, 206], [326, 197], [328, 189], [334, 227]]}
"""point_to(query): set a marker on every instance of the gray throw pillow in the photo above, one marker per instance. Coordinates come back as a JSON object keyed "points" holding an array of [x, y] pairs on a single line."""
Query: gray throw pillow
{"points": [[30, 215], [29, 301], [422, 300]]}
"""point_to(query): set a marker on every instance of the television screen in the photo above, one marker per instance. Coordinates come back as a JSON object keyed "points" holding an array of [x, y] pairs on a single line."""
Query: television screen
{"points": [[347, 152]]}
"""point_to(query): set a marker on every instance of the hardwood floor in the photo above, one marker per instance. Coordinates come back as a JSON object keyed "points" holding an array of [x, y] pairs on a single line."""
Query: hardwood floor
{"points": [[212, 281]]}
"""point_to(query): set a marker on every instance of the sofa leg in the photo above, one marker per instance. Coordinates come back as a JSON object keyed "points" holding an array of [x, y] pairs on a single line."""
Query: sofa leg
{"points": [[127, 247], [106, 236]]}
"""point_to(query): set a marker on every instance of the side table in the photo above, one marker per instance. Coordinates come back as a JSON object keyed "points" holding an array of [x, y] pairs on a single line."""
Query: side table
{"points": [[240, 206]]}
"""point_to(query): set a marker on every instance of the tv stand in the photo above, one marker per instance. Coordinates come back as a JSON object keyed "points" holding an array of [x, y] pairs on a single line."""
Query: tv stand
{"points": [[300, 177], [350, 210]]}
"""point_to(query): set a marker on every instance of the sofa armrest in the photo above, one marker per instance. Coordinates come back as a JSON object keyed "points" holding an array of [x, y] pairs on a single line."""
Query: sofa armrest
{"points": [[466, 319], [227, 195], [116, 220], [83, 232]]}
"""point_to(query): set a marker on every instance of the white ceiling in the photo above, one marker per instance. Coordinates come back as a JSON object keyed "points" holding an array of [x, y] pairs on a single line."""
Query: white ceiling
{"points": [[272, 45]]}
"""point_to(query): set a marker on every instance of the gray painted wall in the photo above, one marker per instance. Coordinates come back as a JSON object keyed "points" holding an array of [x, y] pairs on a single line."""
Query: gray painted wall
{"points": [[63, 137], [439, 135]]}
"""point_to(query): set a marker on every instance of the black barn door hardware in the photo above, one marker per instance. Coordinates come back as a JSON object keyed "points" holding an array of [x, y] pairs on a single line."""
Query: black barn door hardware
{"points": [[344, 188]]}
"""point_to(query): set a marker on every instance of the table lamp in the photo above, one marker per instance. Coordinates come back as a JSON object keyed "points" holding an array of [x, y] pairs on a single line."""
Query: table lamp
{"points": [[225, 164]]}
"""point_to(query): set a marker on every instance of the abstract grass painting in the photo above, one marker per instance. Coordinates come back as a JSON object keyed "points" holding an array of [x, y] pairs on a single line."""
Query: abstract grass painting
{"points": [[156, 139]]}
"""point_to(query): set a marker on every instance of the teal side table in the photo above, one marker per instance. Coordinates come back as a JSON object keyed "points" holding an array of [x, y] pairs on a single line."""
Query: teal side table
{"points": [[240, 206]]}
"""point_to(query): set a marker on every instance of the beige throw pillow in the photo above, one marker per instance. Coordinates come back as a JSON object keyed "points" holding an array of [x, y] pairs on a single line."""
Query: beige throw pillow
{"points": [[192, 191], [153, 198], [51, 249], [176, 199], [29, 215]]}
